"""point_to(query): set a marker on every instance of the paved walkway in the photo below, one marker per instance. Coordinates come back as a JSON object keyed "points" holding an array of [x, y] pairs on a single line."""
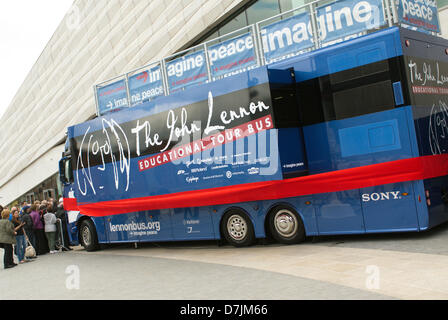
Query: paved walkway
{"points": [[130, 274], [390, 266], [395, 274]]}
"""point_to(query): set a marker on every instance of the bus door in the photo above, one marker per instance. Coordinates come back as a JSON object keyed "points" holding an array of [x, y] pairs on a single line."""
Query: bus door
{"points": [[287, 119]]}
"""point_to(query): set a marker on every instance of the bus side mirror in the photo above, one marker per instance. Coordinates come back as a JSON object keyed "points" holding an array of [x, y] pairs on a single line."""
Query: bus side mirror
{"points": [[62, 170], [65, 173]]}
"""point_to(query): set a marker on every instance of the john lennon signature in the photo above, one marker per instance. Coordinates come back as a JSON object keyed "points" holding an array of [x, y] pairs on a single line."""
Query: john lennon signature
{"points": [[112, 132], [438, 128]]}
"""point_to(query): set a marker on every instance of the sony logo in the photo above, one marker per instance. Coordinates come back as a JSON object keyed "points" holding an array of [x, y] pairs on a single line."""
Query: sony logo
{"points": [[391, 195]]}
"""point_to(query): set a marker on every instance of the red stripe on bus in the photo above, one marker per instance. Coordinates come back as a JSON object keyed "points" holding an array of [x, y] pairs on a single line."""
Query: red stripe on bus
{"points": [[70, 204], [419, 168]]}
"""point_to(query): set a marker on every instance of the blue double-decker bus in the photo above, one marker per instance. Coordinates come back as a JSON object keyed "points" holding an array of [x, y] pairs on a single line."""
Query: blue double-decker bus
{"points": [[351, 138]]}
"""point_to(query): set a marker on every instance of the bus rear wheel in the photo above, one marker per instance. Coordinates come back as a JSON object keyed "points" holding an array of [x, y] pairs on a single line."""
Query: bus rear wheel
{"points": [[285, 225], [237, 228], [88, 236]]}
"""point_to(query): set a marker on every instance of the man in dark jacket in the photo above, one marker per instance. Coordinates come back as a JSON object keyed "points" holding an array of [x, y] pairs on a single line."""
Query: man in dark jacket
{"points": [[28, 228], [62, 214], [7, 238]]}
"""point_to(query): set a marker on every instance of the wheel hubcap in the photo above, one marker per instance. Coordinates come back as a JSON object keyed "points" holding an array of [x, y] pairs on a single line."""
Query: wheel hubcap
{"points": [[285, 223], [237, 227], [86, 236]]}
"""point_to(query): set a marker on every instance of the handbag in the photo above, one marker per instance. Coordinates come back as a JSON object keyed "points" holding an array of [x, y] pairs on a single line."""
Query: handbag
{"points": [[30, 252]]}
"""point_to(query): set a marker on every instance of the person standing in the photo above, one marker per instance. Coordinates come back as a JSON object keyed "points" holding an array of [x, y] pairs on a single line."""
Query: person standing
{"points": [[28, 227], [24, 204], [62, 215], [20, 236], [50, 228], [10, 214], [7, 239], [38, 227]]}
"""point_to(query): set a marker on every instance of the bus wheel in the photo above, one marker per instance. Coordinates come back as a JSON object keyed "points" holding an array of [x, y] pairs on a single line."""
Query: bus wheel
{"points": [[286, 226], [88, 236], [237, 228]]}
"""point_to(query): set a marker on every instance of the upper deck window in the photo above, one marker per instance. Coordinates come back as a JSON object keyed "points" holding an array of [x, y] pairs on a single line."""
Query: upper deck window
{"points": [[349, 93]]}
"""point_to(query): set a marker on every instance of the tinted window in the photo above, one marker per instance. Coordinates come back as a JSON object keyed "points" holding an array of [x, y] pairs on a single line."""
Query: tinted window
{"points": [[361, 100], [286, 110], [350, 93], [360, 72], [310, 102]]}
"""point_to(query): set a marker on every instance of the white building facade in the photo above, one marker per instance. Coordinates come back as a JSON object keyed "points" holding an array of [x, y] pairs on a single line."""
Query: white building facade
{"points": [[96, 41]]}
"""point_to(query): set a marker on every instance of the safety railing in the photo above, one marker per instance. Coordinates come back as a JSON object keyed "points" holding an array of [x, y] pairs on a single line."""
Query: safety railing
{"points": [[305, 28]]}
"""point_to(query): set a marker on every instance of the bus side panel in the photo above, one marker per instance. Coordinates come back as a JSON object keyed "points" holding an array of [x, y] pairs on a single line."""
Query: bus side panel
{"points": [[154, 225], [100, 229], [292, 152], [390, 208], [193, 223], [339, 212]]}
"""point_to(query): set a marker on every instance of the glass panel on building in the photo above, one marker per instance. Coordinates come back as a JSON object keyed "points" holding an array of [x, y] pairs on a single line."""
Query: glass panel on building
{"points": [[212, 36], [261, 10], [238, 22], [286, 5], [442, 3]]}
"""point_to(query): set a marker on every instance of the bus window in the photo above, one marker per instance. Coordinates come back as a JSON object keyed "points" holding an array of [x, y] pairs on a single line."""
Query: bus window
{"points": [[350, 93], [359, 72], [284, 100], [361, 100]]}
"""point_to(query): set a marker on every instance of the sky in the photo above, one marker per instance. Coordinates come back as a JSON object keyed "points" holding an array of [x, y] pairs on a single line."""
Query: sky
{"points": [[26, 26]]}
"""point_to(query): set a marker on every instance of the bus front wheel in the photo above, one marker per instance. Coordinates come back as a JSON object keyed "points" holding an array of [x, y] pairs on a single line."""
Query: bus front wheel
{"points": [[285, 225], [88, 236], [237, 228]]}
